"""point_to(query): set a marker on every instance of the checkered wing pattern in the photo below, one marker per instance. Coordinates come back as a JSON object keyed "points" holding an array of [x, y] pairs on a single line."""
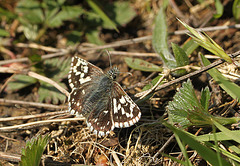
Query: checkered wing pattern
{"points": [[81, 72], [118, 110], [81, 80], [99, 98], [125, 111]]}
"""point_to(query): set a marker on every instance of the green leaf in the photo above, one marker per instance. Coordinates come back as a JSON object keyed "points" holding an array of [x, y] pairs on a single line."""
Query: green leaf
{"points": [[189, 46], [236, 9], [234, 148], [35, 58], [219, 9], [30, 31], [206, 42], [74, 37], [180, 55], [181, 58], [93, 37], [235, 136], [120, 12], [8, 14], [205, 152], [205, 98], [33, 151], [20, 81], [66, 13], [182, 146], [152, 83], [185, 108], [159, 40], [221, 136], [30, 11], [4, 33], [57, 68], [101, 14], [231, 88], [49, 93], [224, 152], [139, 64]]}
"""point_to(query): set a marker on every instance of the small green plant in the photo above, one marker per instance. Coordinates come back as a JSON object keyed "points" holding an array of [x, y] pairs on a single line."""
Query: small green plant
{"points": [[36, 17], [160, 45], [185, 110], [55, 69], [32, 153]]}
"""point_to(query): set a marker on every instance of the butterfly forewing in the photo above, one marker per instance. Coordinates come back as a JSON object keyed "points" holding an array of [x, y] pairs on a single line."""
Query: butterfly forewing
{"points": [[77, 98], [81, 72]]}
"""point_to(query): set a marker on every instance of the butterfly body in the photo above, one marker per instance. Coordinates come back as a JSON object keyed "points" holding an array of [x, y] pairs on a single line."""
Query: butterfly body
{"points": [[99, 98]]}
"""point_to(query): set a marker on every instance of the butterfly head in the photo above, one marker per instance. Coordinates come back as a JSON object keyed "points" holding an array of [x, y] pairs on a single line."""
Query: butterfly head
{"points": [[113, 73]]}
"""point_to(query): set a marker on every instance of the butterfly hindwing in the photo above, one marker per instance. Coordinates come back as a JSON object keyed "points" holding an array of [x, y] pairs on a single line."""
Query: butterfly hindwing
{"points": [[102, 122], [125, 111]]}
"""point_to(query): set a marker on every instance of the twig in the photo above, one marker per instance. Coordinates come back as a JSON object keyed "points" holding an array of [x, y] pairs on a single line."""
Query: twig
{"points": [[120, 43], [180, 79], [135, 54], [6, 82], [37, 46], [203, 69], [41, 105], [35, 75], [7, 138], [117, 44], [32, 116], [47, 56], [48, 80], [116, 159], [160, 150], [141, 39], [209, 29], [147, 92], [35, 124], [10, 157]]}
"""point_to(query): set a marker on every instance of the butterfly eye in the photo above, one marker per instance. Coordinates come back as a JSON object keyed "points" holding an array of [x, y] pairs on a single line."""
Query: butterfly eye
{"points": [[114, 76]]}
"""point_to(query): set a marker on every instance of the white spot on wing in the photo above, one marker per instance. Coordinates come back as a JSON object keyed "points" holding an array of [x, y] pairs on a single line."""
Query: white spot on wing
{"points": [[126, 124], [123, 112], [122, 100], [116, 124], [105, 112], [83, 80], [131, 122], [121, 124], [115, 109]]}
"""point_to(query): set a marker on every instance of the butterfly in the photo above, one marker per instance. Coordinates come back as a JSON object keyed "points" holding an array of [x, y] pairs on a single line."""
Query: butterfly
{"points": [[99, 98]]}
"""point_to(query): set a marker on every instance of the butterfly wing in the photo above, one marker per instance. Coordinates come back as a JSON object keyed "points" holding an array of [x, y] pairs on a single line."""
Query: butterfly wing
{"points": [[124, 111], [118, 110], [81, 72], [100, 120], [106, 105], [77, 98], [81, 80]]}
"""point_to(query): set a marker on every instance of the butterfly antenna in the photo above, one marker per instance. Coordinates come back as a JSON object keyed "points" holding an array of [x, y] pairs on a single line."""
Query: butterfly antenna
{"points": [[109, 56]]}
